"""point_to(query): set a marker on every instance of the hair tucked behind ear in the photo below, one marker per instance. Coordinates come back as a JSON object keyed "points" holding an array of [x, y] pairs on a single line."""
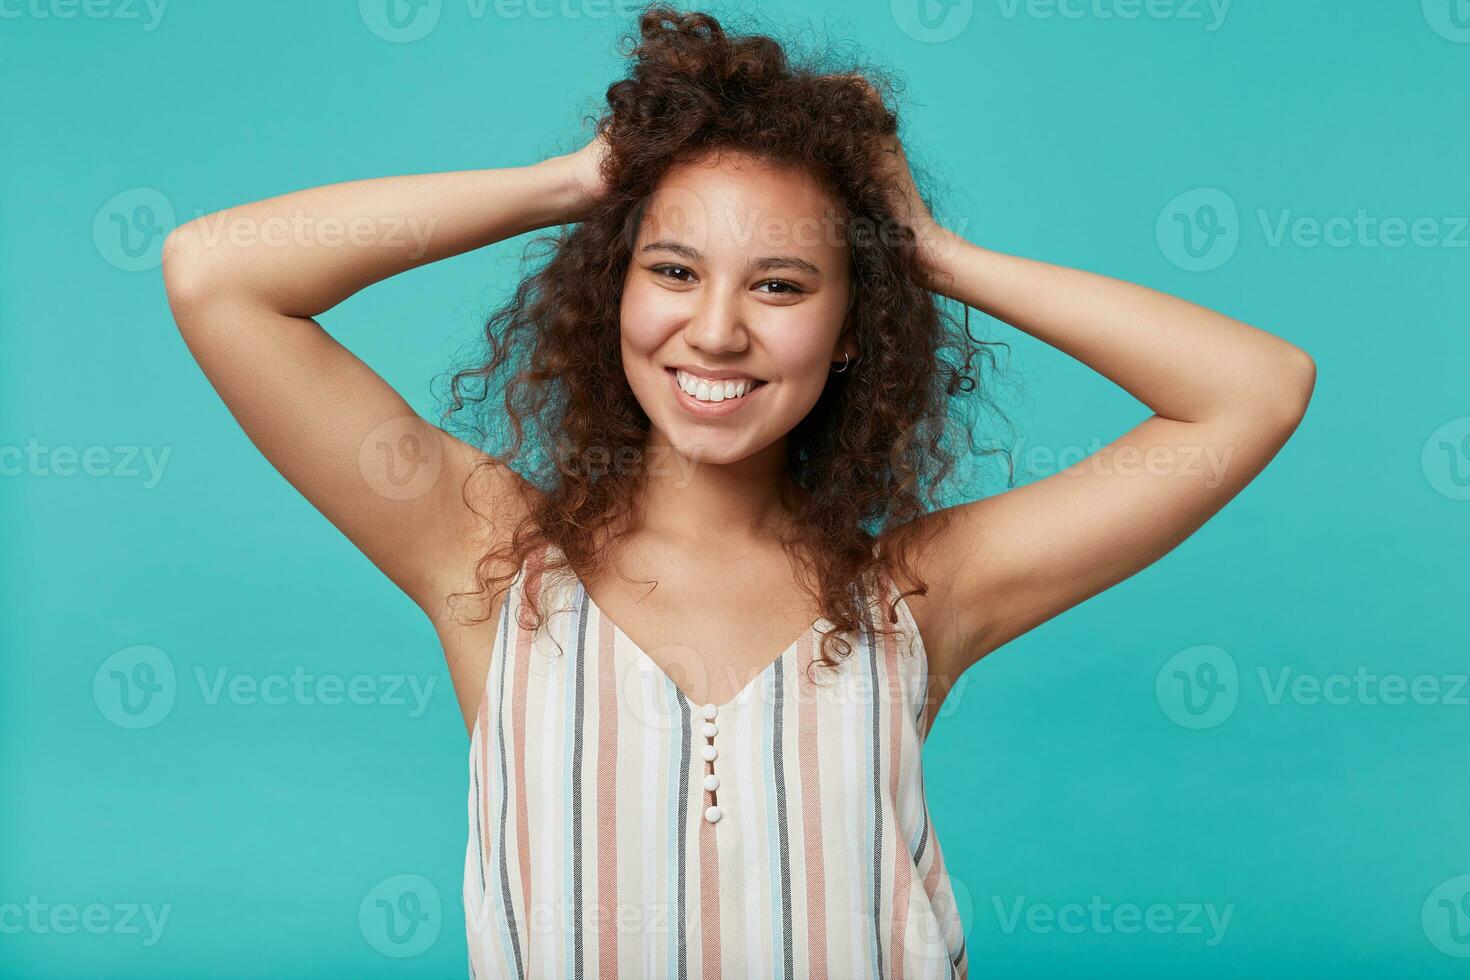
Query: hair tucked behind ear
{"points": [[884, 435]]}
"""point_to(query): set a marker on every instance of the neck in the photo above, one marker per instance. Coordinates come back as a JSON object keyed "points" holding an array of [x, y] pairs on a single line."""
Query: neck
{"points": [[694, 502]]}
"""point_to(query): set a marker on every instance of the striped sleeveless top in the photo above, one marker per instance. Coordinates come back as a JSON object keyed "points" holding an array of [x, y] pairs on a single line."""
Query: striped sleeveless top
{"points": [[617, 829]]}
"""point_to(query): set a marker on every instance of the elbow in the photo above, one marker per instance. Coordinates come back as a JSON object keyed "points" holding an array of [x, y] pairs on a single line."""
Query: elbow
{"points": [[181, 272], [1291, 389], [188, 279], [1303, 380]]}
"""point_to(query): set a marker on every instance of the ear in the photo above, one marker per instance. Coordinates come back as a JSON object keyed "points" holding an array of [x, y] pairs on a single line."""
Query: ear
{"points": [[846, 344], [847, 339]]}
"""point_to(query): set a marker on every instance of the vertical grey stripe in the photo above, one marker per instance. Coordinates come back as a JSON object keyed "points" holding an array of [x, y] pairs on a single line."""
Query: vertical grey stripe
{"points": [[479, 836], [778, 764], [510, 912], [579, 712], [867, 639], [688, 734], [923, 814]]}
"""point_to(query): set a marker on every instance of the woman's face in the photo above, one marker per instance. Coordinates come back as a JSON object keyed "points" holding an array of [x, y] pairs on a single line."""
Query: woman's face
{"points": [[739, 279]]}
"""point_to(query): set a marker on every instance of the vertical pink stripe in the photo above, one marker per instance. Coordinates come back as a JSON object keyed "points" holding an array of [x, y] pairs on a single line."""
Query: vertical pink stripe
{"points": [[518, 741], [903, 861], [709, 897], [809, 761], [931, 880], [607, 803]]}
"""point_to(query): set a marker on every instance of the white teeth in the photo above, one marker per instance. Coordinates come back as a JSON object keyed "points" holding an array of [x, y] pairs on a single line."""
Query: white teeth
{"points": [[712, 391]]}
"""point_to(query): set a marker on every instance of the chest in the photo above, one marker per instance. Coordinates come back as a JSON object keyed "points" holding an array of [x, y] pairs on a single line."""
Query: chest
{"points": [[711, 636]]}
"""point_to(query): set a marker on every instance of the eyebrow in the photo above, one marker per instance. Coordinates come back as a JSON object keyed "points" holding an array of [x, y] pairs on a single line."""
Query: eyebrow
{"points": [[763, 264]]}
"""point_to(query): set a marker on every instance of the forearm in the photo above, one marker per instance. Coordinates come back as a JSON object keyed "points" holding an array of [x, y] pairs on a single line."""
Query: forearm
{"points": [[304, 252], [1182, 360]]}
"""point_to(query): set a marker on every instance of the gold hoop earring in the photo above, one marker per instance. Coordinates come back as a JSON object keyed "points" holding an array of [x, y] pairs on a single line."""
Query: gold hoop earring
{"points": [[845, 360]]}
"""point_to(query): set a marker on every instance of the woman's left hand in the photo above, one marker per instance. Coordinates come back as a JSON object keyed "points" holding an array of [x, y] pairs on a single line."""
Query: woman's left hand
{"points": [[935, 242], [909, 207]]}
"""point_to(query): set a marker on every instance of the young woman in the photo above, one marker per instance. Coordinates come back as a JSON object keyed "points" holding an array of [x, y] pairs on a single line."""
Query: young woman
{"points": [[736, 370]]}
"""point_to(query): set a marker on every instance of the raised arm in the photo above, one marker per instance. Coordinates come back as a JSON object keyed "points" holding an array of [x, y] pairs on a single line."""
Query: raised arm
{"points": [[244, 285], [1225, 397]]}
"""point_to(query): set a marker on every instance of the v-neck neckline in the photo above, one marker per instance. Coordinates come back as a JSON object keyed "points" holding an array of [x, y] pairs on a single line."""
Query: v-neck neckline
{"points": [[641, 654], [740, 695]]}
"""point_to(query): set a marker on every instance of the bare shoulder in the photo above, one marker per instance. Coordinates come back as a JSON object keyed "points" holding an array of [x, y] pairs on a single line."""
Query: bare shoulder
{"points": [[935, 559], [487, 502], [999, 566], [494, 500]]}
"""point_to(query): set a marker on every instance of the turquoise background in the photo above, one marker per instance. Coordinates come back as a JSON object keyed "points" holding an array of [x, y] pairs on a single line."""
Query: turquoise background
{"points": [[1083, 759]]}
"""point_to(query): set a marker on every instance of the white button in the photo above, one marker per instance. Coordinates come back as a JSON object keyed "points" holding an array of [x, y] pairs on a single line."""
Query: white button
{"points": [[710, 730], [711, 782], [712, 814], [710, 711], [709, 753]]}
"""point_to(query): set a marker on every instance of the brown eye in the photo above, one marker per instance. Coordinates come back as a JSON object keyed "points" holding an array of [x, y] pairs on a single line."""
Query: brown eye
{"points": [[665, 270], [789, 288]]}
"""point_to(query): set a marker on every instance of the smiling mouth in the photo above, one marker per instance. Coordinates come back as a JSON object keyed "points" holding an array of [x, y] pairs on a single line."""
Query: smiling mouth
{"points": [[691, 404], [717, 392]]}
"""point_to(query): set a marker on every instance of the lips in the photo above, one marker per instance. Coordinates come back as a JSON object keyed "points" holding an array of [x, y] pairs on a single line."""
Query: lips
{"points": [[727, 382], [710, 410]]}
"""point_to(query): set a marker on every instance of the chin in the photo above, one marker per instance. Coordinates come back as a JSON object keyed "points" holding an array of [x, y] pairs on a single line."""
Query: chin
{"points": [[714, 448]]}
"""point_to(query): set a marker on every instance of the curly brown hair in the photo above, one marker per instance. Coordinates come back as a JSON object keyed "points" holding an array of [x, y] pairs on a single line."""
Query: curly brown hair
{"points": [[874, 450]]}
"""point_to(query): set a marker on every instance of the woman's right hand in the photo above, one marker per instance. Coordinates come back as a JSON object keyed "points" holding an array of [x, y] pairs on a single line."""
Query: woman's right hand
{"points": [[584, 168]]}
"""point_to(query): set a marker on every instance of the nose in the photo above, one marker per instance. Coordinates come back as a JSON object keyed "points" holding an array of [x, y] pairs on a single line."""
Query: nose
{"points": [[717, 323]]}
